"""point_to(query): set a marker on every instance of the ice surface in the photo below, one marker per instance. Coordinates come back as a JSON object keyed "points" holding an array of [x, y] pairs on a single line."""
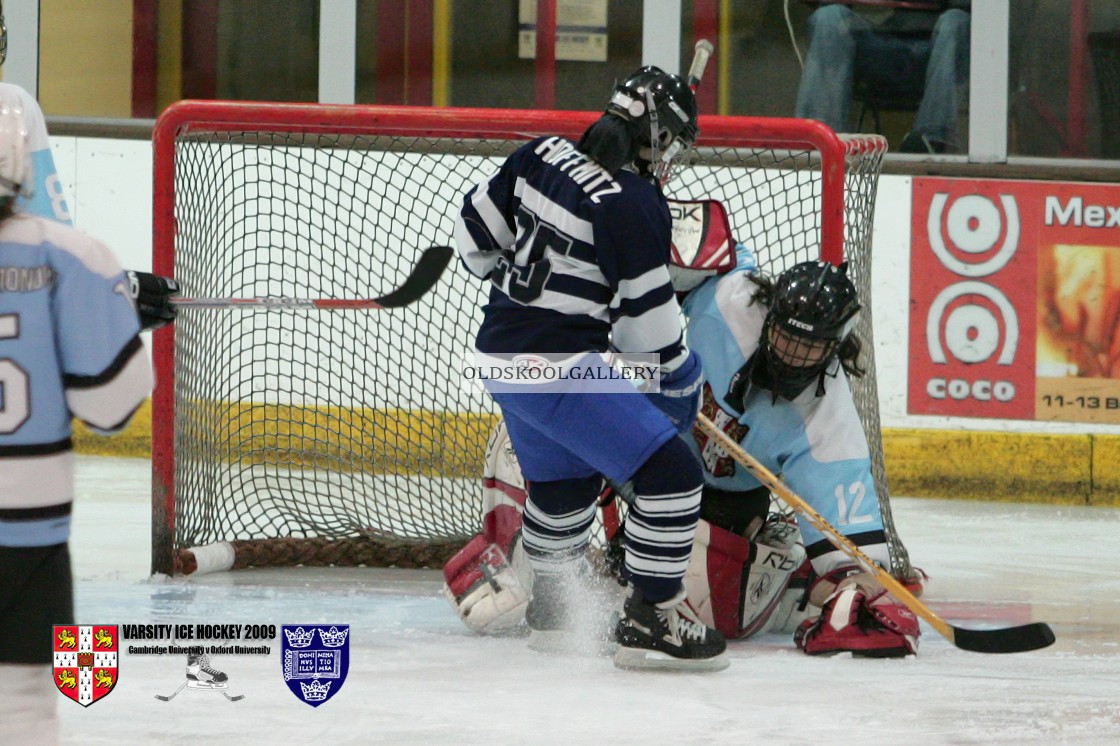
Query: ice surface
{"points": [[417, 676]]}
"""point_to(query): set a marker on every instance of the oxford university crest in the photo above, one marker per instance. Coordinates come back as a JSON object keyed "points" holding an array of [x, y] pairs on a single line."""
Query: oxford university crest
{"points": [[314, 660]]}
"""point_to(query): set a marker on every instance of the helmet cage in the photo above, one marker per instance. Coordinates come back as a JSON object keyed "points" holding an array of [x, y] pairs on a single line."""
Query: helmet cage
{"points": [[813, 311], [648, 98]]}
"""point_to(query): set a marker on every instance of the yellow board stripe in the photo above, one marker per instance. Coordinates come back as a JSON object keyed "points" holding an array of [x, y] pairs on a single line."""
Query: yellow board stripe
{"points": [[1081, 469]]}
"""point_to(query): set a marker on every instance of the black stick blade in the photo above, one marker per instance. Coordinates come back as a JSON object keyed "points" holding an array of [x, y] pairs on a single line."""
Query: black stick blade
{"points": [[424, 276], [1019, 639]]}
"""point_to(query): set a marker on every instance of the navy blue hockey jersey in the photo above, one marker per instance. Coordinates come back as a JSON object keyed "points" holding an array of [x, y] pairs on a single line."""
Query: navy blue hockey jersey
{"points": [[576, 257]]}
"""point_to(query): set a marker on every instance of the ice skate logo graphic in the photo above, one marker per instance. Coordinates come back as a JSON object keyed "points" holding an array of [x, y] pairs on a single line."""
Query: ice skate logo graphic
{"points": [[203, 676], [85, 661], [315, 659]]}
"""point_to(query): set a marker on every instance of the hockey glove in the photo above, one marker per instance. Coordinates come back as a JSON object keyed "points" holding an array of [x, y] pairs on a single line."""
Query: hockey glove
{"points": [[679, 397], [858, 617], [152, 294]]}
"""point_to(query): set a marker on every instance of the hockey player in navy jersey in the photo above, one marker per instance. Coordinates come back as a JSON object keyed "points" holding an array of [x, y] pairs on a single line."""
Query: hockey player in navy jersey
{"points": [[69, 347], [575, 241], [777, 355]]}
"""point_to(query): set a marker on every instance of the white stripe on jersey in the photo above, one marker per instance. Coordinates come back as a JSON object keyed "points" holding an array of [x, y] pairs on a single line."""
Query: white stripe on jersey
{"points": [[744, 319], [638, 286], [654, 330], [568, 304], [553, 214], [480, 263], [37, 481], [104, 407]]}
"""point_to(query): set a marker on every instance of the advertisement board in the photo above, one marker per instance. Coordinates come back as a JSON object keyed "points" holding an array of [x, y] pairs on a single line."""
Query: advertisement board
{"points": [[1015, 300]]}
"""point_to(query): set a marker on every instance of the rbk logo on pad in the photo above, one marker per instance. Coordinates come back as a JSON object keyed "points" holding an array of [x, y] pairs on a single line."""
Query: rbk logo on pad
{"points": [[315, 659], [85, 661]]}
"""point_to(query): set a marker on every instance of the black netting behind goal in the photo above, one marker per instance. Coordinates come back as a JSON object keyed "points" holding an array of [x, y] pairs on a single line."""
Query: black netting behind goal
{"points": [[349, 437]]}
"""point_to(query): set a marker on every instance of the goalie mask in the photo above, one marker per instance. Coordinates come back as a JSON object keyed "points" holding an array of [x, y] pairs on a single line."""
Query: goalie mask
{"points": [[812, 312], [15, 156], [664, 109]]}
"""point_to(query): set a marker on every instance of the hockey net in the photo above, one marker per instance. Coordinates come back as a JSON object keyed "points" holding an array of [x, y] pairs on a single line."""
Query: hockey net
{"points": [[341, 437]]}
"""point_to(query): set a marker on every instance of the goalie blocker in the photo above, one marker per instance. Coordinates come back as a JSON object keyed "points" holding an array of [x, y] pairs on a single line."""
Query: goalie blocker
{"points": [[741, 586]]}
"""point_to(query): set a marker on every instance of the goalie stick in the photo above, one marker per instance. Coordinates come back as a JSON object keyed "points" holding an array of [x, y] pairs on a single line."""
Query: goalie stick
{"points": [[423, 278], [1005, 640]]}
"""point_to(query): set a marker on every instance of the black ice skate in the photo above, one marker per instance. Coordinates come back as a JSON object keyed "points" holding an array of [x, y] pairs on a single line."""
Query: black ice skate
{"points": [[668, 636], [201, 675]]}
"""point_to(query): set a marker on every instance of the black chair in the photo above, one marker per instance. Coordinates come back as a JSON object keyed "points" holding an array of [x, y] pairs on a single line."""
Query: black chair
{"points": [[871, 102]]}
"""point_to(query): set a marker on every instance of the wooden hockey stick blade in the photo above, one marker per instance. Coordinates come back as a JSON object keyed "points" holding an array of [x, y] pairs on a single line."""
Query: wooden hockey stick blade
{"points": [[1003, 640], [423, 278]]}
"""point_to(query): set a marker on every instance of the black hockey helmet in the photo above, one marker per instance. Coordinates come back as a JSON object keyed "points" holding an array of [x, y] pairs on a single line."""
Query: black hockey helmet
{"points": [[664, 110], [812, 311]]}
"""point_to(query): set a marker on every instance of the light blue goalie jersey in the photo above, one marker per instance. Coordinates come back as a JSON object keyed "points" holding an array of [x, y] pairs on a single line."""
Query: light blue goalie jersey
{"points": [[69, 347], [816, 444]]}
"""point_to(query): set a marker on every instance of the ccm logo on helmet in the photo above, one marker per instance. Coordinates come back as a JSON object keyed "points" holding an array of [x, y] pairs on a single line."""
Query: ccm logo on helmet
{"points": [[960, 389]]}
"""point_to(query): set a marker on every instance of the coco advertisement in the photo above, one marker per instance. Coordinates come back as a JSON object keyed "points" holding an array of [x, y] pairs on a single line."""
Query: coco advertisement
{"points": [[1015, 300]]}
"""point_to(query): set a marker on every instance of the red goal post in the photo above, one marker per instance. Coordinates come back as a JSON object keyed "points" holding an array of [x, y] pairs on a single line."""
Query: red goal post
{"points": [[338, 437]]}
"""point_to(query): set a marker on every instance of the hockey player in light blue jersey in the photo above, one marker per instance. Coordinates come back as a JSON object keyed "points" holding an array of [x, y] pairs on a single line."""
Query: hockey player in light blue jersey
{"points": [[45, 196], [777, 355], [69, 347], [574, 239]]}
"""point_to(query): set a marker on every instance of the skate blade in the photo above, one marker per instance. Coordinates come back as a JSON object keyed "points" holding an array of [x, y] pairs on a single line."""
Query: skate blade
{"points": [[205, 685], [564, 642], [640, 659]]}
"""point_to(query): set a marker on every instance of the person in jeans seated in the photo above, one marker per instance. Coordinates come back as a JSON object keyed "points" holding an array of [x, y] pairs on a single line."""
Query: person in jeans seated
{"points": [[896, 52]]}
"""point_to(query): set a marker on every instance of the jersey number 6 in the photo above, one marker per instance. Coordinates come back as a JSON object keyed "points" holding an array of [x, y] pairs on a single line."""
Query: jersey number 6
{"points": [[14, 405]]}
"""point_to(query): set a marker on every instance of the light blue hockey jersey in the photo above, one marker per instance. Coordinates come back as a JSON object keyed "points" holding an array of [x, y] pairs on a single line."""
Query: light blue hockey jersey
{"points": [[69, 346], [817, 444]]}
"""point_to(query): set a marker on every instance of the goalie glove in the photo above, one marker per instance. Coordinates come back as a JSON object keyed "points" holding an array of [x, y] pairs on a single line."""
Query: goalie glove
{"points": [[858, 617], [152, 295]]}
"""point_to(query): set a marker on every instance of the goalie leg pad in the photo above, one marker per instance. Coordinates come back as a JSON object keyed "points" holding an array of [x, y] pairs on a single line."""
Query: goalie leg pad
{"points": [[488, 589], [735, 584], [858, 617]]}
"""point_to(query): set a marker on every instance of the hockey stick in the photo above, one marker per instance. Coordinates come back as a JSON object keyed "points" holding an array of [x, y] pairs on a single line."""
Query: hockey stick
{"points": [[1006, 640], [171, 696], [234, 698], [700, 56], [424, 276]]}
